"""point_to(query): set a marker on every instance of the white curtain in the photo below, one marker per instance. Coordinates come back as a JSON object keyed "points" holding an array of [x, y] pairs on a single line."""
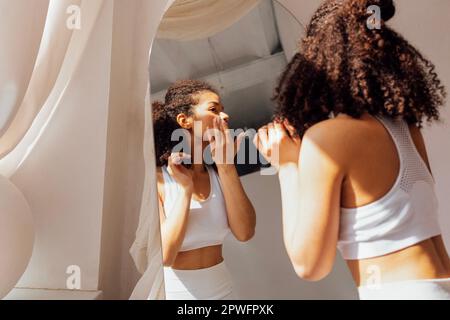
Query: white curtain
{"points": [[43, 48], [146, 248], [36, 67], [198, 19], [146, 253], [44, 54], [21, 29]]}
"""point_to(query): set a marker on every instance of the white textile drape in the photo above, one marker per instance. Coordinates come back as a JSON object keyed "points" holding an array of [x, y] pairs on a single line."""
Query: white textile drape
{"points": [[21, 31], [36, 67], [43, 53], [146, 248], [198, 19]]}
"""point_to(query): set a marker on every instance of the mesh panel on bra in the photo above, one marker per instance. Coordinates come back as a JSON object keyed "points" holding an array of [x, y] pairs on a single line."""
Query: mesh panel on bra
{"points": [[414, 168]]}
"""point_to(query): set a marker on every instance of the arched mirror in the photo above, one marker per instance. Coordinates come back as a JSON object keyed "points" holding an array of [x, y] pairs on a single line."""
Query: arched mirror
{"points": [[220, 59]]}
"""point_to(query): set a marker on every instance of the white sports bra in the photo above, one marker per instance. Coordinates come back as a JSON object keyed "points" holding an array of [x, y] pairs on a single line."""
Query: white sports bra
{"points": [[207, 222], [406, 215]]}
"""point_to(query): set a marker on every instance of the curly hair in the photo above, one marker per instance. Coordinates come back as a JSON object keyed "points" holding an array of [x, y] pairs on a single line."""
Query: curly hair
{"points": [[180, 98], [345, 67]]}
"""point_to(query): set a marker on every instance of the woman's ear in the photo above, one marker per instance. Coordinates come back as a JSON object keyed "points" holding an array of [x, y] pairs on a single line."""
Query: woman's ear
{"points": [[184, 121]]}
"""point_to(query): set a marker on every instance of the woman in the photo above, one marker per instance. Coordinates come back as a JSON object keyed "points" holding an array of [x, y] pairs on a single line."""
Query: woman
{"points": [[199, 204], [358, 178]]}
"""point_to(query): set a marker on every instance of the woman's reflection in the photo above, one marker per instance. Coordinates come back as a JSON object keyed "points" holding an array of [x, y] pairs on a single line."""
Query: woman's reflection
{"points": [[199, 204]]}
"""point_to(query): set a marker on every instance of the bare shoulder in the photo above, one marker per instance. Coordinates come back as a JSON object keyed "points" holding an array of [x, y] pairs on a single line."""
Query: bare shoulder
{"points": [[333, 129], [337, 137]]}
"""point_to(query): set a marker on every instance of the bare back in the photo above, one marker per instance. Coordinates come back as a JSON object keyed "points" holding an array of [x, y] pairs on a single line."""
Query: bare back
{"points": [[369, 179]]}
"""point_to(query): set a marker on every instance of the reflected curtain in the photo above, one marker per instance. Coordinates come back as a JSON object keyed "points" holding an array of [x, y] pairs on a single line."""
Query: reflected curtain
{"points": [[146, 248], [189, 20]]}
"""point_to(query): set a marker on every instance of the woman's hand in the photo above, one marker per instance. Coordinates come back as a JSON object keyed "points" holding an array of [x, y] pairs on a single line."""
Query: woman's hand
{"points": [[182, 175], [279, 143], [223, 146]]}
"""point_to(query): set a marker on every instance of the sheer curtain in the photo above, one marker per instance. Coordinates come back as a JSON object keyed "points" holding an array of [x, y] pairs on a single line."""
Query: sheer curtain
{"points": [[36, 66], [146, 248], [43, 47], [198, 19], [20, 32], [54, 79]]}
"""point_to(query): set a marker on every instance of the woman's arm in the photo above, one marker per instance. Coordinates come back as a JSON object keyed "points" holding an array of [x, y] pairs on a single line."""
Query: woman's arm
{"points": [[173, 225], [310, 192], [311, 231], [240, 211]]}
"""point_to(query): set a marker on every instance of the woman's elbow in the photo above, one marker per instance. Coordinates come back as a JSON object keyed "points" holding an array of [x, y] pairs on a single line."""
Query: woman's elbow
{"points": [[167, 262], [310, 273], [168, 258], [246, 234]]}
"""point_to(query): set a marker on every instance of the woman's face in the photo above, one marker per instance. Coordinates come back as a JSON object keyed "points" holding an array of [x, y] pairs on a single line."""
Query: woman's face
{"points": [[209, 107]]}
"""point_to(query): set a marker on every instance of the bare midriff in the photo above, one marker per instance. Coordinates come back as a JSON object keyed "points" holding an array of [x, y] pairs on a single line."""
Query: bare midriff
{"points": [[199, 258], [425, 260]]}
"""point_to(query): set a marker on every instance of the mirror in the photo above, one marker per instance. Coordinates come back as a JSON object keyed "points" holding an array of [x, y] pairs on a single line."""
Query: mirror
{"points": [[208, 213]]}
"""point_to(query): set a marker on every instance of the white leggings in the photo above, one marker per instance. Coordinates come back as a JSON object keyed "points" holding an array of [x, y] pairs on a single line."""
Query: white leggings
{"points": [[212, 283], [433, 289]]}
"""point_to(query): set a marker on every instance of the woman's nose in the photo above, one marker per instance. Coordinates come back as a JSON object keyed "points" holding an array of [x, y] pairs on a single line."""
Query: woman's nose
{"points": [[224, 116]]}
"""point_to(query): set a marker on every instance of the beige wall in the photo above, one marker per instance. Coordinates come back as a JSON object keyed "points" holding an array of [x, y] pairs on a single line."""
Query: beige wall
{"points": [[425, 24]]}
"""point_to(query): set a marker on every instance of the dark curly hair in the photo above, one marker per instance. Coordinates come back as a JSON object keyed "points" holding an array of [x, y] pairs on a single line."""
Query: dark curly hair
{"points": [[345, 67], [180, 98]]}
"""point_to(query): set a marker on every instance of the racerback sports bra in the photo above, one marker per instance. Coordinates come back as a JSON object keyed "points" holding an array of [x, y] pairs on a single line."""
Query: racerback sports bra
{"points": [[406, 215]]}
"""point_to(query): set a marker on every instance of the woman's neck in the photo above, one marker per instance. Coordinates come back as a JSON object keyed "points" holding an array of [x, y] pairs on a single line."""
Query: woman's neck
{"points": [[198, 168], [198, 164]]}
